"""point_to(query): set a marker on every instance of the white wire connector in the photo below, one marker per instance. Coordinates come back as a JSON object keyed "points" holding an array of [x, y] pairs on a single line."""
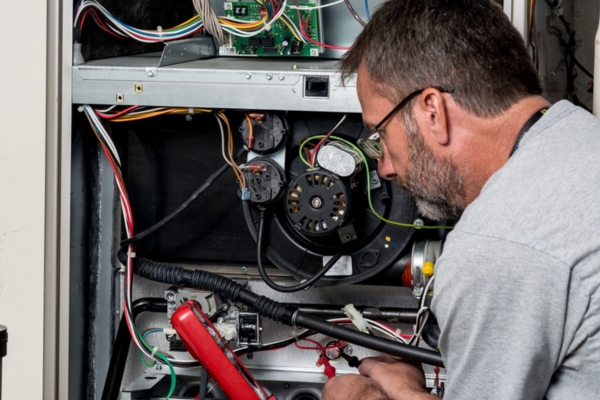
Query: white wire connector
{"points": [[356, 318], [131, 254], [169, 331], [159, 30], [154, 350]]}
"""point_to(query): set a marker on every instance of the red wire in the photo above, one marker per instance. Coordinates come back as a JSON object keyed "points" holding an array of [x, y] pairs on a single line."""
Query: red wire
{"points": [[327, 46], [115, 115]]}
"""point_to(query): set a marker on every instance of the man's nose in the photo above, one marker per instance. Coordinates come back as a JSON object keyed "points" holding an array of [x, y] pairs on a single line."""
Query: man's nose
{"points": [[385, 167]]}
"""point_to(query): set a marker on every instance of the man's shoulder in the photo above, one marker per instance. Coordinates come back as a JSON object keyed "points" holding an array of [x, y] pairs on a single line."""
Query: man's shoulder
{"points": [[545, 195]]}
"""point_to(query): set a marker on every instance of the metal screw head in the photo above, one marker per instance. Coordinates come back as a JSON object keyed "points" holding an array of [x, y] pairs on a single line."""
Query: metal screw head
{"points": [[233, 312], [349, 350], [244, 269], [188, 117], [248, 76], [316, 202], [220, 320], [281, 77], [170, 296], [418, 223], [269, 77]]}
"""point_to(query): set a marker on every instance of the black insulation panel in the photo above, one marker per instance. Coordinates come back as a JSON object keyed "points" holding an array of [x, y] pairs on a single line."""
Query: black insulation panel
{"points": [[168, 158]]}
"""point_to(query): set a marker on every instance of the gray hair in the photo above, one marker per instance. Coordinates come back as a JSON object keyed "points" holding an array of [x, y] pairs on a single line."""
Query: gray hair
{"points": [[466, 45]]}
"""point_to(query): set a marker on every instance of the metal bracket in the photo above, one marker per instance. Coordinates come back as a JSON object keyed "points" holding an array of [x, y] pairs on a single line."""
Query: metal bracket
{"points": [[184, 50]]}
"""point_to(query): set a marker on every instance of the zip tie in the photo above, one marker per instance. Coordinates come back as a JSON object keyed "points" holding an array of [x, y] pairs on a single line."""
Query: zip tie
{"points": [[159, 30], [131, 254], [191, 110], [154, 350]]}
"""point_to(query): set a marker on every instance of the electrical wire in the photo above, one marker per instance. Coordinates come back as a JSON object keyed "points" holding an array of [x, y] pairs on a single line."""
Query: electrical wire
{"points": [[368, 180], [423, 311], [305, 35], [314, 152], [315, 7], [354, 13], [211, 21], [112, 25], [175, 213], [286, 289], [536, 41], [367, 9]]}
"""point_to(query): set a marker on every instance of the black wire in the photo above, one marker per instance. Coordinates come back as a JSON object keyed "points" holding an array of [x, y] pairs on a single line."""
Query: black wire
{"points": [[283, 343], [211, 179], [286, 289], [571, 46], [354, 13]]}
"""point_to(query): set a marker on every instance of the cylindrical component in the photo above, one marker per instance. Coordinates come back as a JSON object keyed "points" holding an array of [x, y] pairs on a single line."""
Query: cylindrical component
{"points": [[597, 74], [340, 159], [3, 342]]}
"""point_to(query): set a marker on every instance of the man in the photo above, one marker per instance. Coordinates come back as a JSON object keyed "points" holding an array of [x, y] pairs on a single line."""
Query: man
{"points": [[517, 288]]}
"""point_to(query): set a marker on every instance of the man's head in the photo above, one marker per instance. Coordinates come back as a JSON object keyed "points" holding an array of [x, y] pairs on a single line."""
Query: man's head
{"points": [[468, 47]]}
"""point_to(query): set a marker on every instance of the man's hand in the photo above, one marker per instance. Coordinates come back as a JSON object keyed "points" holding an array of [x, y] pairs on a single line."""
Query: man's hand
{"points": [[353, 387], [383, 378], [401, 380]]}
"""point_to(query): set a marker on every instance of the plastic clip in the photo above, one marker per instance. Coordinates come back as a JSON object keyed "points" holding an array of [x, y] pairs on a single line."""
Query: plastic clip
{"points": [[159, 30]]}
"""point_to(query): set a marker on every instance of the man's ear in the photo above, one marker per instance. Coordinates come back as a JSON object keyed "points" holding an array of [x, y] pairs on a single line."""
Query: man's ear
{"points": [[432, 105]]}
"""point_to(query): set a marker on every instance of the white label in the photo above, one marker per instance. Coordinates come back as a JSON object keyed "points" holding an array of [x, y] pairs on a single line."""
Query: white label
{"points": [[343, 266]]}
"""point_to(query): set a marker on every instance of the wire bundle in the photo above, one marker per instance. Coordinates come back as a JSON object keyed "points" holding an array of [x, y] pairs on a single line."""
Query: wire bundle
{"points": [[130, 114], [219, 27], [107, 22]]}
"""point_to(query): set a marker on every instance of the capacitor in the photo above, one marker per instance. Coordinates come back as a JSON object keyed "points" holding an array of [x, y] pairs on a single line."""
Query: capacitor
{"points": [[340, 159], [285, 42]]}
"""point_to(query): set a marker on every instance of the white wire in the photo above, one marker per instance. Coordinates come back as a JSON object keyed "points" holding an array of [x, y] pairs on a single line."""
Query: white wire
{"points": [[420, 326], [222, 140], [315, 7]]}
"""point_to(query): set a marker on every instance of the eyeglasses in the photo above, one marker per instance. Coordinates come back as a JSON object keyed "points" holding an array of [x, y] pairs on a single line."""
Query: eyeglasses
{"points": [[371, 144]]}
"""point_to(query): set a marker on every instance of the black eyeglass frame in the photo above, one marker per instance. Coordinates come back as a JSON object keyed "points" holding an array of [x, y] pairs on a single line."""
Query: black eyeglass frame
{"points": [[370, 145]]}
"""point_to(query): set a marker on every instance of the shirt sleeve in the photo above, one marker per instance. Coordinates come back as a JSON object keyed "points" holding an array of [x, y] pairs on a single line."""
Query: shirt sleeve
{"points": [[501, 308]]}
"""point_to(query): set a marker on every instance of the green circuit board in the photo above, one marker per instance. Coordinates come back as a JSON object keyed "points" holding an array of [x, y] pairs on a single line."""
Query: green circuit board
{"points": [[279, 40]]}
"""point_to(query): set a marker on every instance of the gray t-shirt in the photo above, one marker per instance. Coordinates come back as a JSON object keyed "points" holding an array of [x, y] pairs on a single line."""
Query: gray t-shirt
{"points": [[517, 288]]}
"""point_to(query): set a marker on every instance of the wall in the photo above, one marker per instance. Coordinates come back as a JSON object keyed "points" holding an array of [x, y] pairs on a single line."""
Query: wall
{"points": [[22, 193]]}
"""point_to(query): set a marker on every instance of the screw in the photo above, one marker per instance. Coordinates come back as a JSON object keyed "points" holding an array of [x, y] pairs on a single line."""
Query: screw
{"points": [[188, 117], [248, 76], [220, 320], [374, 180], [317, 202], [244, 269], [349, 350], [286, 385], [281, 77], [233, 311], [418, 223], [269, 77], [170, 296]]}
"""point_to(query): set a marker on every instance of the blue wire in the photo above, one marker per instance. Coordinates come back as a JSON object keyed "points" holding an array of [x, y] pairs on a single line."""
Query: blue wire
{"points": [[151, 331], [367, 9]]}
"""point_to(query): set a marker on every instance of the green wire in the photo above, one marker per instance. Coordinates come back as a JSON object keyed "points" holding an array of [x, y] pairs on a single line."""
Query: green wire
{"points": [[387, 221], [163, 358]]}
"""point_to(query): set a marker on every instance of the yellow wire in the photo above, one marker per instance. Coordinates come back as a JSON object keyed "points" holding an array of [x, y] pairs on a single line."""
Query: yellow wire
{"points": [[250, 127], [169, 111], [238, 172], [189, 21], [290, 27]]}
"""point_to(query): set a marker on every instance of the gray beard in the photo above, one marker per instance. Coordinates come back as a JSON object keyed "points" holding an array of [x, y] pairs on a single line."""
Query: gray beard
{"points": [[434, 183]]}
